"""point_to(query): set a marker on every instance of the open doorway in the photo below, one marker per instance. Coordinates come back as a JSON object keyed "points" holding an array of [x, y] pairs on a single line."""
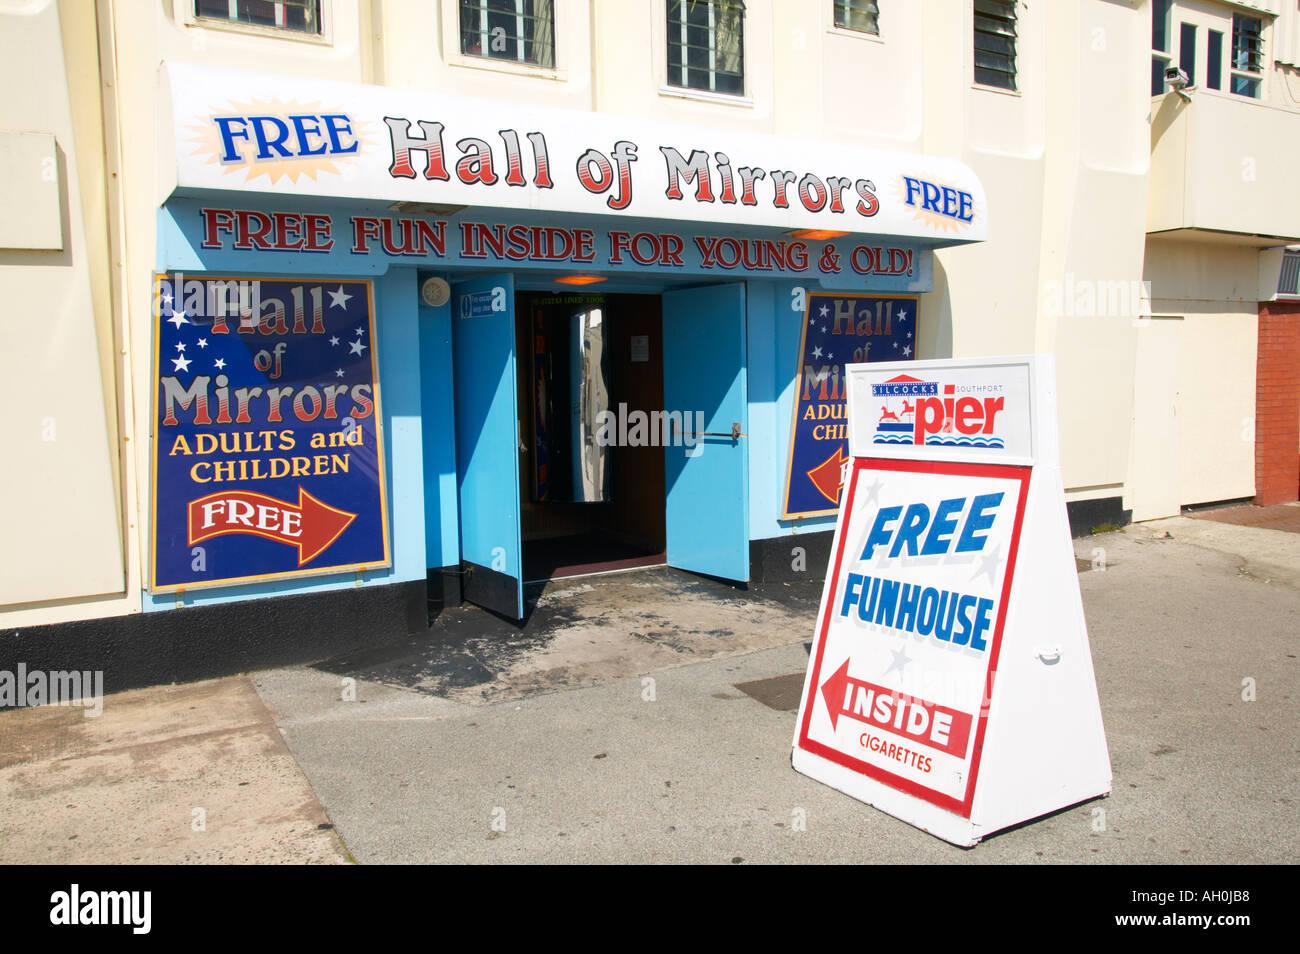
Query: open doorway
{"points": [[592, 493]]}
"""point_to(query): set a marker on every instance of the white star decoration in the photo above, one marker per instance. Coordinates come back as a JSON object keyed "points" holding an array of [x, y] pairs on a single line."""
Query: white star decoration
{"points": [[817, 352], [219, 363], [989, 564], [907, 351], [339, 299], [902, 316], [180, 346], [178, 318], [356, 347], [824, 311], [338, 373], [334, 341], [181, 364], [873, 492], [901, 659], [202, 342], [360, 332]]}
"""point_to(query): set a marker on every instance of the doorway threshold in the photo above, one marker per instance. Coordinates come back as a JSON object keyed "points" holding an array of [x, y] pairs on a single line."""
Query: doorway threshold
{"points": [[650, 561]]}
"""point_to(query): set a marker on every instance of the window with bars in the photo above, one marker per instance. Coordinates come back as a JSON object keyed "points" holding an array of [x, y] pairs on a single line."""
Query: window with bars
{"points": [[298, 16], [1247, 55], [995, 43], [521, 31], [1161, 55], [706, 45], [1288, 279], [861, 16], [1214, 60]]}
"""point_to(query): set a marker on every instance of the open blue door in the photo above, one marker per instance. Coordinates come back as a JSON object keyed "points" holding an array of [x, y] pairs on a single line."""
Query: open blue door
{"points": [[487, 442], [707, 520]]}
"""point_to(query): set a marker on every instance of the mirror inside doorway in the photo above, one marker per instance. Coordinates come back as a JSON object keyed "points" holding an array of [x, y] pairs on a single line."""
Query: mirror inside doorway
{"points": [[591, 473]]}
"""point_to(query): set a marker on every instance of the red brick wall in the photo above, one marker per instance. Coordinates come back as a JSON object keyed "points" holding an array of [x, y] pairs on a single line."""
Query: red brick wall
{"points": [[1277, 404]]}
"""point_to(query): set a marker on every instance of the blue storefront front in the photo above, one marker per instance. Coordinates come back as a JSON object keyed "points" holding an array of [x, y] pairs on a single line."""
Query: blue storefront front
{"points": [[461, 364]]}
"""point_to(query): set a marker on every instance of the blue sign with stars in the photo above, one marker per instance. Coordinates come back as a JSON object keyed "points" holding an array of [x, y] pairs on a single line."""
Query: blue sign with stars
{"points": [[837, 330], [268, 457]]}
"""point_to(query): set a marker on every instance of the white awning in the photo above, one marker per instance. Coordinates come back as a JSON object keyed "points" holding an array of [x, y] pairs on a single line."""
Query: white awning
{"points": [[283, 135]]}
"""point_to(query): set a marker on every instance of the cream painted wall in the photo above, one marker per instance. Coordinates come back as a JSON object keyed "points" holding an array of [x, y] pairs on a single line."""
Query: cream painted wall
{"points": [[1064, 165], [1211, 286], [1225, 163], [61, 523]]}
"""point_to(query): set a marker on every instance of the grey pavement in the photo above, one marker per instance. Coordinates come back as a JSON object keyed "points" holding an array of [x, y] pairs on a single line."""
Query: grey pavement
{"points": [[632, 720], [612, 729], [192, 774]]}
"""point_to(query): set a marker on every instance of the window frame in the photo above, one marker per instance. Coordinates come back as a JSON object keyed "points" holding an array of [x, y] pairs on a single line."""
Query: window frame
{"points": [[1255, 76], [670, 88], [851, 31], [186, 13], [1165, 57], [977, 83], [516, 63], [449, 20], [1290, 263], [1212, 23]]}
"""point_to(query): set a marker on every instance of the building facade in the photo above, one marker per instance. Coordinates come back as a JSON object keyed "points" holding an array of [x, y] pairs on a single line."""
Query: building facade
{"points": [[535, 284]]}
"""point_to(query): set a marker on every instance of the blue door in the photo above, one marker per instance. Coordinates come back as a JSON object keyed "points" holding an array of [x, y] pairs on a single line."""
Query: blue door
{"points": [[487, 442], [707, 519]]}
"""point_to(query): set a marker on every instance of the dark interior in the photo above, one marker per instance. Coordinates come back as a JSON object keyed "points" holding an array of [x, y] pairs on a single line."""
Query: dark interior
{"points": [[562, 537]]}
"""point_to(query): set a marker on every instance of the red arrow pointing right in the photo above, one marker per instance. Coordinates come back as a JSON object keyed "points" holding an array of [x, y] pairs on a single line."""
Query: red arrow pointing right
{"points": [[311, 526]]}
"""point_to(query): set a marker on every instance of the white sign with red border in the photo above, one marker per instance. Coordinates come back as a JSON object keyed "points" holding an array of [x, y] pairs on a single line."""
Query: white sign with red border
{"points": [[950, 681]]}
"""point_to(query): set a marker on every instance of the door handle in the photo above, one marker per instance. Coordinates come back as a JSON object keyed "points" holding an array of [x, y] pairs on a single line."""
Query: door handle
{"points": [[735, 432]]}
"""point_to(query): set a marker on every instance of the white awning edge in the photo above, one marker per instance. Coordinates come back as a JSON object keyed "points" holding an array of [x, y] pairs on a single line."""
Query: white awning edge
{"points": [[234, 131]]}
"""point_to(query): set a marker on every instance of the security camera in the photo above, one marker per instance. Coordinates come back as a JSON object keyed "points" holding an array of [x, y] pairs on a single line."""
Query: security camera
{"points": [[1176, 78]]}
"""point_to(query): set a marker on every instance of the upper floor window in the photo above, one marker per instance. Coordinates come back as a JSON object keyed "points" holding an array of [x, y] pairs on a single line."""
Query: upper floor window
{"points": [[1247, 55], [995, 43], [521, 31], [1288, 279], [862, 16], [706, 45], [1196, 40], [1161, 55], [300, 16]]}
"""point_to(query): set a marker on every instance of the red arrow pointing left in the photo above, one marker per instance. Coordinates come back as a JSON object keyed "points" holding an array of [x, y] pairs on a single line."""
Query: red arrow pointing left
{"points": [[912, 717], [311, 526], [828, 475]]}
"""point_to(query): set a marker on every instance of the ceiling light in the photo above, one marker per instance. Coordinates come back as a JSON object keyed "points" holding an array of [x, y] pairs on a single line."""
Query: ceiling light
{"points": [[580, 279], [427, 208], [816, 235]]}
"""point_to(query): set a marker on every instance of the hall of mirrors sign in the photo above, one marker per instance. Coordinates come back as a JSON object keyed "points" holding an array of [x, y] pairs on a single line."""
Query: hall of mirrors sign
{"points": [[837, 330], [267, 431]]}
